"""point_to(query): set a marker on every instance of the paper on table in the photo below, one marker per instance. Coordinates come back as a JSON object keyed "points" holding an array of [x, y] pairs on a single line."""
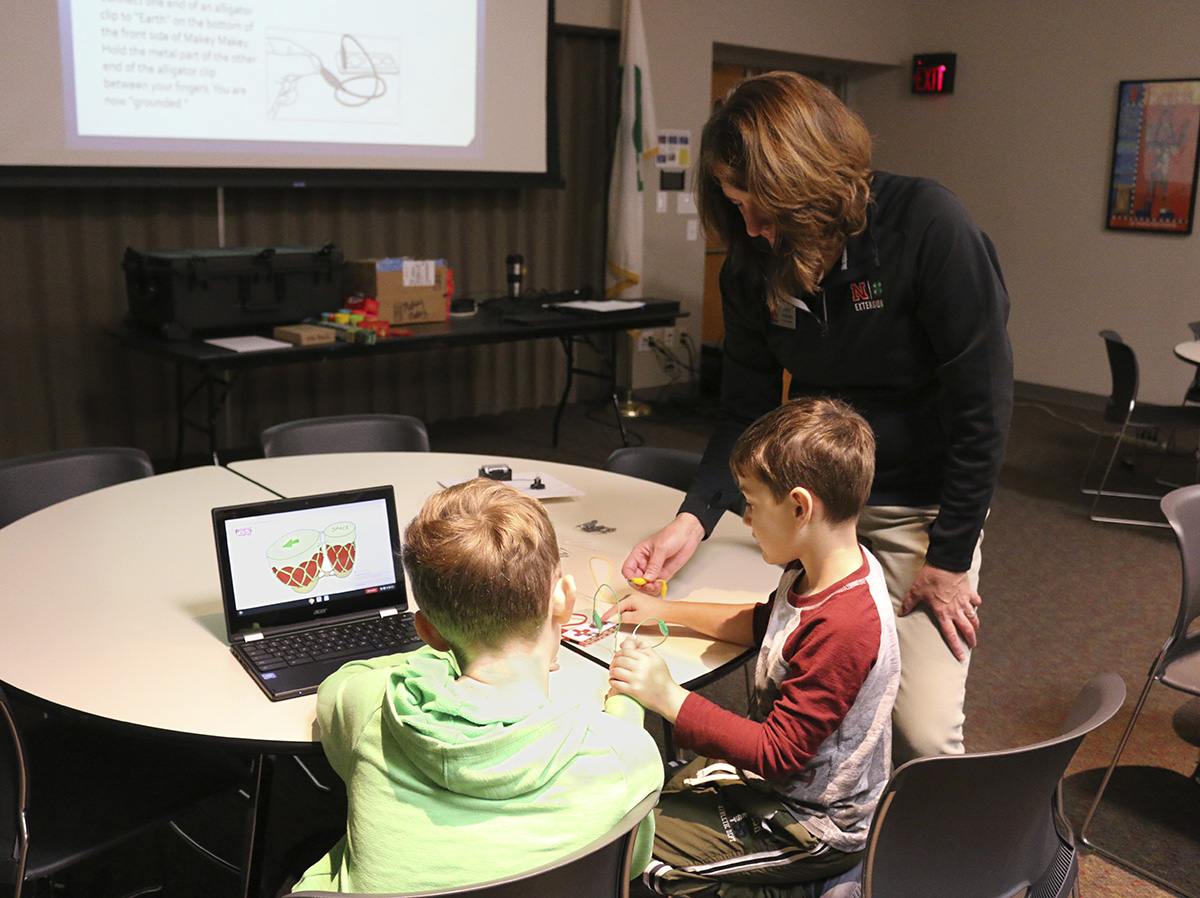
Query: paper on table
{"points": [[600, 305], [551, 488], [248, 344]]}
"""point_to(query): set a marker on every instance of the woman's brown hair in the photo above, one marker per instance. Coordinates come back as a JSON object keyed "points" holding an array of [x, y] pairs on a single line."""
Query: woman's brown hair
{"points": [[805, 160]]}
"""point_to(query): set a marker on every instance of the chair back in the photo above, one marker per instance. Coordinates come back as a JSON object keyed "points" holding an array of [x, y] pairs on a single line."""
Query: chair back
{"points": [[1181, 508], [32, 482], [12, 798], [670, 467], [1123, 366], [346, 433], [998, 809], [597, 870]]}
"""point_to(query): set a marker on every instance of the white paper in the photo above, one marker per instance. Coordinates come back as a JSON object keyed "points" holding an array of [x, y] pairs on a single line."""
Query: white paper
{"points": [[600, 305], [248, 344], [551, 488], [419, 272]]}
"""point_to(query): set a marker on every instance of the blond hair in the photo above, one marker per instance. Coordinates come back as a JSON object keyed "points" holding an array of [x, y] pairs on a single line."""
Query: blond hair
{"points": [[805, 160], [817, 443], [482, 558]]}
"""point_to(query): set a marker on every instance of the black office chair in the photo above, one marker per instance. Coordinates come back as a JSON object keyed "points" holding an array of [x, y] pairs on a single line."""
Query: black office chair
{"points": [[597, 870], [982, 825], [1177, 664], [1141, 426], [70, 791], [670, 467], [32, 482], [346, 433]]}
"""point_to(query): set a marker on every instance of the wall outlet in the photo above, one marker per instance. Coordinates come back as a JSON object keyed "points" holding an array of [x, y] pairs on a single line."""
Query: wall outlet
{"points": [[643, 339]]}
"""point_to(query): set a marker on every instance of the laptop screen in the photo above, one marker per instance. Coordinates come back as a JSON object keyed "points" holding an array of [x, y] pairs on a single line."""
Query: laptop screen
{"points": [[308, 559]]}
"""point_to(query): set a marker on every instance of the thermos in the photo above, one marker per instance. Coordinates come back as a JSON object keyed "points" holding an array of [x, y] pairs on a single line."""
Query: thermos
{"points": [[514, 265]]}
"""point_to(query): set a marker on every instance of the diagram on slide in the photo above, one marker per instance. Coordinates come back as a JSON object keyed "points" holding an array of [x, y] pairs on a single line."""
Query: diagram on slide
{"points": [[332, 77], [300, 559]]}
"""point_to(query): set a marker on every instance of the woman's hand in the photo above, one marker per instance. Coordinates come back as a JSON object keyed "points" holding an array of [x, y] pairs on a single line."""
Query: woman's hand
{"points": [[952, 602], [658, 558]]}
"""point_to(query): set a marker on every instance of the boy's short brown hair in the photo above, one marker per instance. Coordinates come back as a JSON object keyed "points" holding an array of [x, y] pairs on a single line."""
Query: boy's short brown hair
{"points": [[820, 444], [482, 558]]}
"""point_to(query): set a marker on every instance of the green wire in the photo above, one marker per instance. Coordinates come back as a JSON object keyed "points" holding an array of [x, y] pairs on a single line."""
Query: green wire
{"points": [[662, 628]]}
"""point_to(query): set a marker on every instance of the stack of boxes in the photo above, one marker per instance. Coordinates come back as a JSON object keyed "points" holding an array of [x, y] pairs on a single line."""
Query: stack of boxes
{"points": [[383, 293]]}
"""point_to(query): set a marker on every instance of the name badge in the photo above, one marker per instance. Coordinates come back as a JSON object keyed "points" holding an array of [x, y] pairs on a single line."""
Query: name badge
{"points": [[784, 316]]}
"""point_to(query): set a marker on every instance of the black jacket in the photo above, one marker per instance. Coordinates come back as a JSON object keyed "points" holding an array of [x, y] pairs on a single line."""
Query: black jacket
{"points": [[910, 329]]}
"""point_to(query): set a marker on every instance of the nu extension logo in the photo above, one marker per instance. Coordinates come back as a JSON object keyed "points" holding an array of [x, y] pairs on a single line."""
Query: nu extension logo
{"points": [[867, 295]]}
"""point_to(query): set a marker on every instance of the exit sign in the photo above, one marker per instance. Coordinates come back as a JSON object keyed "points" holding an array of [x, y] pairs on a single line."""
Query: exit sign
{"points": [[933, 73]]}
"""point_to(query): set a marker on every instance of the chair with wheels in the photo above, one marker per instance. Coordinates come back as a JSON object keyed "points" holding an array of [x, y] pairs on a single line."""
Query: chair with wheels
{"points": [[69, 792], [346, 433], [1001, 810], [1140, 424], [1177, 664], [597, 870], [32, 482]]}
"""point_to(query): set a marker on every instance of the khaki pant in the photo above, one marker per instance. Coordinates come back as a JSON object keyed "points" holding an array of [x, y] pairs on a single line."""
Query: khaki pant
{"points": [[928, 716]]}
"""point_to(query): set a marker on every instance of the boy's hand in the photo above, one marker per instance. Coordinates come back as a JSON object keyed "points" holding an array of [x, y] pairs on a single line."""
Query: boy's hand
{"points": [[636, 608], [638, 671]]}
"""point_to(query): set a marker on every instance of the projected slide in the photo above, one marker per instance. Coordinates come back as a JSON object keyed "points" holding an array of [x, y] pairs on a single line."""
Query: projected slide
{"points": [[352, 72]]}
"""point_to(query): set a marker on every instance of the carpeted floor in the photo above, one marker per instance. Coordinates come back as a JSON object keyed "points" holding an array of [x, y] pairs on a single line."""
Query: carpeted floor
{"points": [[1064, 599]]}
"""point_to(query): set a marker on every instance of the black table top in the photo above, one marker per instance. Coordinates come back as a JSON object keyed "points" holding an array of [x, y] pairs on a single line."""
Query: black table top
{"points": [[496, 321]]}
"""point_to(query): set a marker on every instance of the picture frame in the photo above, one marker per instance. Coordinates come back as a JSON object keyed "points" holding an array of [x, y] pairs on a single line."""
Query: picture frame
{"points": [[1152, 182]]}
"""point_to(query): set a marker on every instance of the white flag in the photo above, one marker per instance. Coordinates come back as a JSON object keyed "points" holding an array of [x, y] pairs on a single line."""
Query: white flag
{"points": [[633, 161]]}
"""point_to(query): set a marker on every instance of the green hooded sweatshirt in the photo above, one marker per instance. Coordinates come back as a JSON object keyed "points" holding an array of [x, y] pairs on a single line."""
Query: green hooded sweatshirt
{"points": [[443, 792]]}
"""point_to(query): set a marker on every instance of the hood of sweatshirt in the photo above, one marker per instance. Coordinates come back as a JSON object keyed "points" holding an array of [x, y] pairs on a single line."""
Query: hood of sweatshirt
{"points": [[499, 751]]}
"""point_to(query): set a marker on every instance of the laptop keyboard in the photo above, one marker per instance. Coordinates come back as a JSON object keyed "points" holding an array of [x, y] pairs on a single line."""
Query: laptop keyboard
{"points": [[361, 639]]}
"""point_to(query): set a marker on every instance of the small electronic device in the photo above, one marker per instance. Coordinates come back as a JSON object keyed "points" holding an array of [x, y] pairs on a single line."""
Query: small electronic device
{"points": [[585, 632], [495, 472], [311, 582]]}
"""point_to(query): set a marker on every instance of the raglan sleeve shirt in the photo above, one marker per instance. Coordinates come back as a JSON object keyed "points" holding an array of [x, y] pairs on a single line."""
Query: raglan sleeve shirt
{"points": [[828, 663]]}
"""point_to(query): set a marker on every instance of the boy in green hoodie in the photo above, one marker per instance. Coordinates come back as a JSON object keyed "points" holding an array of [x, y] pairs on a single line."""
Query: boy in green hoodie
{"points": [[458, 767]]}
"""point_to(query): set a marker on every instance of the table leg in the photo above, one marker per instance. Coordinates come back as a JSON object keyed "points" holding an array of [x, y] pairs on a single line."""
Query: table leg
{"points": [[568, 345], [256, 826], [609, 360]]}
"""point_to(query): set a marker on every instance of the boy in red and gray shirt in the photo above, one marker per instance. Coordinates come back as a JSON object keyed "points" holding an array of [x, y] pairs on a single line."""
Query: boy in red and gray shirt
{"points": [[791, 798]]}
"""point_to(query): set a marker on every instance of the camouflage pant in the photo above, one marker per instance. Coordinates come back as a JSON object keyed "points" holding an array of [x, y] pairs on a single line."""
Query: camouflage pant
{"points": [[725, 839]]}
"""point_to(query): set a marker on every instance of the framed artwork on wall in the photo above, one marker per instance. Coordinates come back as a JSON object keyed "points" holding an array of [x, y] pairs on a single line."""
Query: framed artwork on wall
{"points": [[1152, 185]]}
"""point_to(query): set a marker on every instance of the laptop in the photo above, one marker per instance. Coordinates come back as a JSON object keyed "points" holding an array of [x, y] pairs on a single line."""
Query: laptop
{"points": [[310, 583]]}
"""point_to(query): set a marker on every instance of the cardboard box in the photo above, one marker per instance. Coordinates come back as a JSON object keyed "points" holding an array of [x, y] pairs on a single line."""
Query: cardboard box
{"points": [[305, 334], [425, 298]]}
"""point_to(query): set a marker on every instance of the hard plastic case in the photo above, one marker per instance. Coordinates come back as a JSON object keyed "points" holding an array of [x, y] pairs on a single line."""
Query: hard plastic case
{"points": [[195, 292]]}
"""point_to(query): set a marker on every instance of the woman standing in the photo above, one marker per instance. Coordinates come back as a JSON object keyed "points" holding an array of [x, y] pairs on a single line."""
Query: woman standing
{"points": [[879, 290]]}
